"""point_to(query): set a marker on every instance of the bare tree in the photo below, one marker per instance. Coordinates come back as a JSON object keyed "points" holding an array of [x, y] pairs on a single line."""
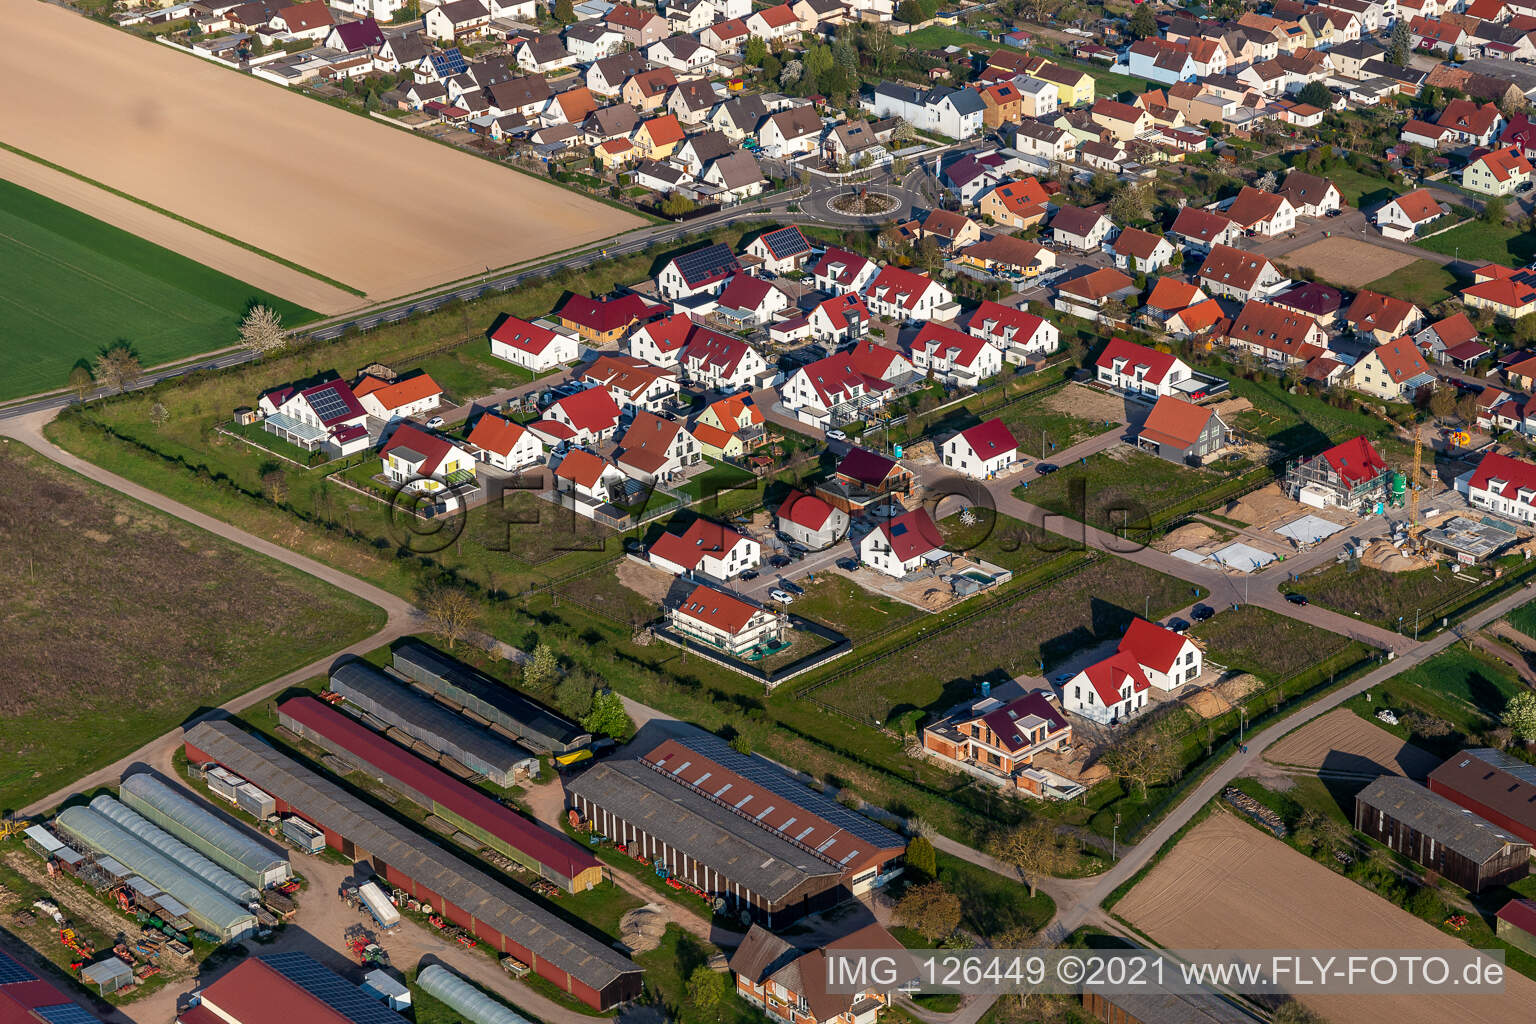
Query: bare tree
{"points": [[930, 910], [117, 367], [1034, 849], [159, 414], [451, 614], [1147, 757], [81, 382], [274, 484], [262, 330]]}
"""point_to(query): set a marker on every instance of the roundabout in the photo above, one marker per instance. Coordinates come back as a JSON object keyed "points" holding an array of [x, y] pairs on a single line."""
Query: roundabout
{"points": [[863, 203]]}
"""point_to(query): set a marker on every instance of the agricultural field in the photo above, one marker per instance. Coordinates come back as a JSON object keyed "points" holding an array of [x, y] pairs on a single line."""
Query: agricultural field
{"points": [[173, 119], [945, 664], [122, 618], [1524, 619], [1228, 885], [75, 285], [1343, 741]]}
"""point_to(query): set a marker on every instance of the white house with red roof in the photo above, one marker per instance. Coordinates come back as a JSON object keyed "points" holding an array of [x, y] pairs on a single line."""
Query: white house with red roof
{"points": [[719, 361], [654, 448], [809, 521], [400, 399], [724, 621], [1167, 659], [844, 318], [1136, 369], [901, 546], [843, 386], [1351, 474], [1502, 485], [532, 346], [324, 416], [699, 272], [706, 547], [504, 444], [661, 342], [772, 24], [1107, 691], [633, 383], [1014, 332], [426, 463], [751, 301], [954, 356], [591, 415], [840, 271], [589, 480], [900, 294], [981, 452], [1403, 217], [1183, 432]]}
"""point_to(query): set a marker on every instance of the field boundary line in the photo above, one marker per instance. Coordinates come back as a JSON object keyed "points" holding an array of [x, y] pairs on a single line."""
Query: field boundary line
{"points": [[162, 211]]}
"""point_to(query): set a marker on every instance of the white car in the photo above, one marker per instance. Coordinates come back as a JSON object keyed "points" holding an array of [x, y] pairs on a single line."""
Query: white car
{"points": [[782, 596], [436, 423], [837, 435]]}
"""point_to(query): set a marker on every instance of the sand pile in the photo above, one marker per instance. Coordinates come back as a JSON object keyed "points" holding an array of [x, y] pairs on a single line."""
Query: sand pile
{"points": [[1380, 554], [642, 928], [1190, 535]]}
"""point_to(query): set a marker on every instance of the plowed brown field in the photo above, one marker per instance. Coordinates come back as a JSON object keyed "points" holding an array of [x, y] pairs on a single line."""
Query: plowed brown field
{"points": [[1343, 741]]}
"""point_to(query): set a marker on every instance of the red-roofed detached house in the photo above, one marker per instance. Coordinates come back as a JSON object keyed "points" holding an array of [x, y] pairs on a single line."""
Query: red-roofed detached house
{"points": [[811, 522], [981, 452], [426, 463], [903, 545], [1502, 485], [706, 547], [1107, 691], [1181, 431], [1351, 474], [1167, 659], [1127, 366], [724, 621], [531, 346], [504, 444], [1003, 739]]}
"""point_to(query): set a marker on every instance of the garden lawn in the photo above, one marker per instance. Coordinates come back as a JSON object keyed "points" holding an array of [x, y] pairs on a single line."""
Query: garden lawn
{"points": [[1524, 619], [1422, 282], [75, 285], [1501, 243], [1465, 690], [836, 601]]}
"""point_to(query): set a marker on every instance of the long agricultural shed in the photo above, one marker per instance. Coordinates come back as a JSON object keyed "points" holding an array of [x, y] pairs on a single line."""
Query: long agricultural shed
{"points": [[534, 725], [241, 852], [557, 951], [395, 703], [126, 818], [553, 857]]}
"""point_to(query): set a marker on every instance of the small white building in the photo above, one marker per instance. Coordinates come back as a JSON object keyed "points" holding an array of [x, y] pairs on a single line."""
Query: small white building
{"points": [[504, 444], [1108, 691], [706, 547], [402, 399], [532, 346], [901, 546], [809, 521], [425, 463], [1136, 369], [981, 452], [1502, 485], [955, 357], [1014, 332]]}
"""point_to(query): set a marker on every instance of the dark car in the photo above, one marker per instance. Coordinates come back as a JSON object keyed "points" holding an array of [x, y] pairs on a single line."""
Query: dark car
{"points": [[1043, 468], [778, 561], [750, 574], [849, 564], [1201, 612], [793, 588], [1300, 599]]}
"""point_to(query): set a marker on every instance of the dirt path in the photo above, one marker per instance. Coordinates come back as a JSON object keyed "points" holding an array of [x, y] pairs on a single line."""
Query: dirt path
{"points": [[1500, 649], [377, 208], [189, 241]]}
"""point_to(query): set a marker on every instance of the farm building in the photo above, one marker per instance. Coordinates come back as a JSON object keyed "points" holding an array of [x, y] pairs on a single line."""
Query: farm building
{"points": [[239, 850], [1492, 785], [1430, 830], [561, 954], [472, 1005], [737, 828], [792, 984], [533, 725], [240, 891], [287, 987], [1515, 923], [550, 856], [394, 703], [207, 907], [26, 998]]}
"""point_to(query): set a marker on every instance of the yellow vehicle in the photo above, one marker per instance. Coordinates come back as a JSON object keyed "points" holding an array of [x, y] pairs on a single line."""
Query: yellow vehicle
{"points": [[574, 757]]}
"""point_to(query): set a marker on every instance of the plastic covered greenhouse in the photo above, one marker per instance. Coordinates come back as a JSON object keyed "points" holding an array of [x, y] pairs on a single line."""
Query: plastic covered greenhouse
{"points": [[238, 849], [459, 995], [237, 889], [207, 907]]}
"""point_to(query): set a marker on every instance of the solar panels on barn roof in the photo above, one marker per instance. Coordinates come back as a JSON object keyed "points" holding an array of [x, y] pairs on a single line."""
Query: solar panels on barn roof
{"points": [[12, 972], [706, 264], [65, 1013], [330, 988]]}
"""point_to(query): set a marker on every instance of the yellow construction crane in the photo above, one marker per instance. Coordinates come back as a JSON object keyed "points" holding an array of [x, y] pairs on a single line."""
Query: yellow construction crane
{"points": [[1413, 482]]}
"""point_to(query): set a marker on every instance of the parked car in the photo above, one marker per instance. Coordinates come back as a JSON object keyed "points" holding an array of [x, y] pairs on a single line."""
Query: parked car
{"points": [[781, 597], [1300, 599], [436, 423], [837, 435], [750, 574], [1201, 612], [791, 586], [1044, 468], [779, 561], [849, 564]]}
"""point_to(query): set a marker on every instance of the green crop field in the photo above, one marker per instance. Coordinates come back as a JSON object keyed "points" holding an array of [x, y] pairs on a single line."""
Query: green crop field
{"points": [[74, 284]]}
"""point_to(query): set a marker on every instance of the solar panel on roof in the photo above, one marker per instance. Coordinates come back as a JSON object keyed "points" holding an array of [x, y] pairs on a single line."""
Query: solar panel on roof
{"points": [[330, 988], [12, 972], [66, 1013], [328, 405], [449, 62], [707, 262]]}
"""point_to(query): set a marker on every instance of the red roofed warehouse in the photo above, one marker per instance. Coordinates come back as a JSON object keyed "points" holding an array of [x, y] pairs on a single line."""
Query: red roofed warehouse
{"points": [[495, 914], [725, 622], [1351, 475], [736, 827], [1492, 785], [279, 987], [546, 853]]}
